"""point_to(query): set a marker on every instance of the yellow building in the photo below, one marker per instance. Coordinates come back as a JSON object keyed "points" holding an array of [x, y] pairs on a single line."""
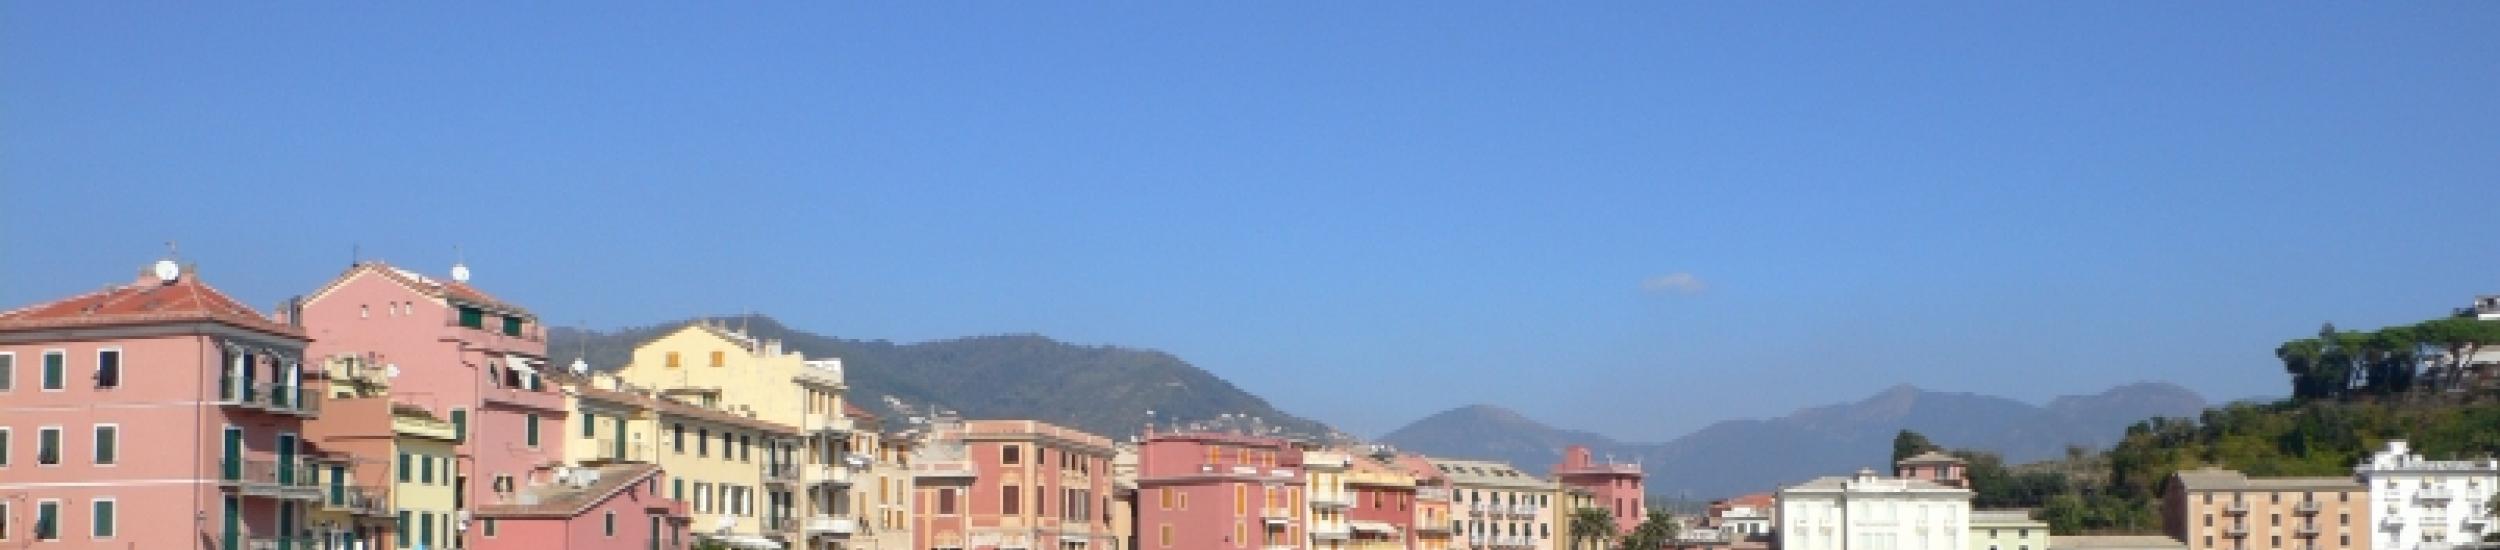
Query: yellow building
{"points": [[733, 472], [1325, 477], [424, 481], [730, 371]]}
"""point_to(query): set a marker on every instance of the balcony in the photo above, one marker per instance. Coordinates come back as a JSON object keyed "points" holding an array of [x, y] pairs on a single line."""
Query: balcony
{"points": [[828, 474], [1330, 532], [609, 450], [2236, 509], [2307, 508], [360, 501], [2308, 530], [265, 477], [268, 396], [275, 543], [1525, 511], [781, 474], [1337, 501], [1276, 515], [1477, 510], [831, 424], [780, 524], [831, 525], [2435, 494], [2235, 531], [944, 469]]}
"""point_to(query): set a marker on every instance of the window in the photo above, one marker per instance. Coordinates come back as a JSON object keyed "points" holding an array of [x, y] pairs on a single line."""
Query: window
{"points": [[4, 521], [108, 368], [1166, 531], [48, 447], [490, 527], [404, 467], [1011, 500], [672, 359], [1166, 499], [4, 456], [8, 371], [703, 442], [108, 440], [48, 520], [946, 501], [607, 524], [717, 359], [426, 472], [101, 519], [54, 368], [403, 528], [677, 438], [511, 325], [472, 317], [531, 430], [746, 449], [1010, 454], [460, 424]]}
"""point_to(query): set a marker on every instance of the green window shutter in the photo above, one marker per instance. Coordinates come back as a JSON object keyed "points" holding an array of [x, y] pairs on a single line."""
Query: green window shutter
{"points": [[511, 325], [460, 425], [403, 471], [590, 425], [55, 371], [472, 317], [533, 430], [403, 528]]}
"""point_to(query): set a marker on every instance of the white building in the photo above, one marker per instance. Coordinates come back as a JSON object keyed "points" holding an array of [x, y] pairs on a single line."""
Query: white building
{"points": [[1870, 512], [2427, 504]]}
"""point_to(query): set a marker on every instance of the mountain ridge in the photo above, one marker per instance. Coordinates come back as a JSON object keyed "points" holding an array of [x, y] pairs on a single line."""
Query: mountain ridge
{"points": [[1757, 454]]}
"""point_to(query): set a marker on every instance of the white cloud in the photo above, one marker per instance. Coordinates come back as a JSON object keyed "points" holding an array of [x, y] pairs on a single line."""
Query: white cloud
{"points": [[1678, 283]]}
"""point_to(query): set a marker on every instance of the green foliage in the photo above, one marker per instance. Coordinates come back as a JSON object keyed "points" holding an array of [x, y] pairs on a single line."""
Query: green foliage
{"points": [[2386, 362], [1653, 533], [1908, 444], [1995, 486], [2317, 438], [1591, 528]]}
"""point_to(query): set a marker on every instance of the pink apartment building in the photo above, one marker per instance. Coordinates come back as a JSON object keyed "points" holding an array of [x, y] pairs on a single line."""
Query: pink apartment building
{"points": [[159, 413], [997, 484], [461, 354], [1433, 522], [1383, 514], [1616, 486], [1206, 491], [613, 507], [1935, 466]]}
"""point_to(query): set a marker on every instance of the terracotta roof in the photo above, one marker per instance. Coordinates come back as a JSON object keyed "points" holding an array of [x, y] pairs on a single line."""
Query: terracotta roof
{"points": [[146, 301], [1931, 457], [1757, 500], [683, 409], [440, 288], [559, 500], [854, 411]]}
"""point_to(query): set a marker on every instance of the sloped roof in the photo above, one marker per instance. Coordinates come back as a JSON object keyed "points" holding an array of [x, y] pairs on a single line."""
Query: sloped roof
{"points": [[670, 407], [558, 500], [2217, 479], [1931, 457], [448, 290], [145, 301]]}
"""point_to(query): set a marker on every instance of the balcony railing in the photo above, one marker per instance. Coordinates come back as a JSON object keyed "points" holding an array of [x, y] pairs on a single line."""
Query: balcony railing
{"points": [[2235, 508], [828, 474], [781, 473], [609, 451], [360, 501], [261, 476], [943, 469], [2235, 531], [832, 525], [2435, 493], [2307, 507], [2309, 530], [1332, 501], [1330, 532], [1276, 514], [268, 396], [780, 524]]}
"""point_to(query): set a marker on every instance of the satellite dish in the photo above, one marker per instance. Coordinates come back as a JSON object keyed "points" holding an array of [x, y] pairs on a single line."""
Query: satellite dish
{"points": [[580, 366], [167, 270], [390, 370], [460, 272]]}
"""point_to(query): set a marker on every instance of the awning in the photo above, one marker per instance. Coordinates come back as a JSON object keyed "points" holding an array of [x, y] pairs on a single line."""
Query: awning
{"points": [[520, 364], [746, 542], [1373, 527]]}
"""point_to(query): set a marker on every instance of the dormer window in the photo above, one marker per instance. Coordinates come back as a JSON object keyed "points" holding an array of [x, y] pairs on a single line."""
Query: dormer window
{"points": [[511, 325], [472, 317]]}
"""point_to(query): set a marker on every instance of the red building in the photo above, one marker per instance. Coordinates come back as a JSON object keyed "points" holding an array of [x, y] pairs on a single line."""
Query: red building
{"points": [[1384, 510], [1206, 491], [159, 413], [997, 484], [1617, 487]]}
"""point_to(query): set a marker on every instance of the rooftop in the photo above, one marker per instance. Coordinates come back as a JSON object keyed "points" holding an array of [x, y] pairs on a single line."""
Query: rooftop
{"points": [[148, 300], [2115, 542], [2216, 479]]}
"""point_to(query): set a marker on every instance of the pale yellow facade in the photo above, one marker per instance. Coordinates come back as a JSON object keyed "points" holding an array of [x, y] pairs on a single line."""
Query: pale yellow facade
{"points": [[425, 480], [724, 369], [1324, 472], [718, 462]]}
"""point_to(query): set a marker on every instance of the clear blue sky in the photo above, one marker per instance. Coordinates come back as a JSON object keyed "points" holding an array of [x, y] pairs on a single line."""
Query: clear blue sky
{"points": [[1365, 211]]}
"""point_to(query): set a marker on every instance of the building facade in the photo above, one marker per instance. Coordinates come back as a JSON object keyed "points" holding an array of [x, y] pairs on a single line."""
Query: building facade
{"points": [[2216, 509], [1499, 506], [722, 465], [1616, 486], [1003, 484], [1434, 522], [1207, 490], [1383, 513], [2007, 530], [160, 413], [1935, 467], [1870, 512], [2428, 504], [728, 369]]}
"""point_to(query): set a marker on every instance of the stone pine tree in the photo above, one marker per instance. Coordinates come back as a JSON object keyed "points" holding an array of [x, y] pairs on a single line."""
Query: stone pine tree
{"points": [[1908, 444]]}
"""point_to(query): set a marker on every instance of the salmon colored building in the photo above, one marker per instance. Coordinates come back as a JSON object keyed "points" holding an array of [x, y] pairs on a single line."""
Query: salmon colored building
{"points": [[1207, 491], [611, 507], [461, 355], [157, 413], [1615, 486], [1012, 484], [1433, 522], [1383, 511]]}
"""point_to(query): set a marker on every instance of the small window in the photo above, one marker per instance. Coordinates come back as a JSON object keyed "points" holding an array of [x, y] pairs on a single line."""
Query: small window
{"points": [[108, 441], [4, 458], [108, 369], [472, 317], [101, 520], [590, 425], [490, 527], [55, 367], [531, 430], [1010, 454], [8, 371], [48, 520], [406, 467], [460, 424], [48, 447], [511, 325], [672, 360], [425, 470], [608, 523]]}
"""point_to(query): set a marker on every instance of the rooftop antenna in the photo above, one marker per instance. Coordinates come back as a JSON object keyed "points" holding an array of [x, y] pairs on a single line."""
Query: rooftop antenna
{"points": [[355, 253]]}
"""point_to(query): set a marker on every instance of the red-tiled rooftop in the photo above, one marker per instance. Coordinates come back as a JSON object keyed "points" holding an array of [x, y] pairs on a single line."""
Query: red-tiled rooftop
{"points": [[458, 291], [148, 300]]}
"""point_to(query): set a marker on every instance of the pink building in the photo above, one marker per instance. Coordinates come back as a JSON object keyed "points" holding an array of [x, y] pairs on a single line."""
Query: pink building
{"points": [[1383, 512], [618, 506], [460, 354], [160, 413], [994, 484], [1617, 487], [1944, 469], [1202, 491]]}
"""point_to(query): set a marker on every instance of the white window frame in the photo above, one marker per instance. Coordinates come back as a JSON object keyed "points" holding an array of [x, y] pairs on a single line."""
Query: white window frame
{"points": [[63, 442], [8, 373], [91, 518], [57, 519], [122, 358], [6, 520], [96, 445], [39, 371]]}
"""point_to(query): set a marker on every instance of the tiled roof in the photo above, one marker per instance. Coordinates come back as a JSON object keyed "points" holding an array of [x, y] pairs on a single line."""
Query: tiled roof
{"points": [[146, 301], [448, 290], [854, 411], [1931, 457], [666, 406], [2217, 479], [559, 500]]}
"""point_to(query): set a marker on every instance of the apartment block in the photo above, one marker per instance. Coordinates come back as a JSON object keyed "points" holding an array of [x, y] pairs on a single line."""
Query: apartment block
{"points": [[1011, 484], [2217, 509], [2423, 504], [2007, 530], [1616, 486], [1496, 505], [1212, 490], [1866, 510]]}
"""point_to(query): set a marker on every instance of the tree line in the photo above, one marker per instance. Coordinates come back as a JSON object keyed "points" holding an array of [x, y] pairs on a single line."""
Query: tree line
{"points": [[2423, 358]]}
